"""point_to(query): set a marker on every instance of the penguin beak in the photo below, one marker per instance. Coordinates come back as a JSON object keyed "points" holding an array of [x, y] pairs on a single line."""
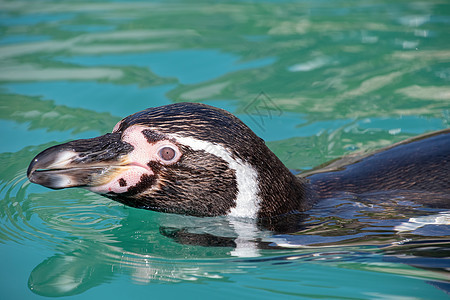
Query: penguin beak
{"points": [[80, 163]]}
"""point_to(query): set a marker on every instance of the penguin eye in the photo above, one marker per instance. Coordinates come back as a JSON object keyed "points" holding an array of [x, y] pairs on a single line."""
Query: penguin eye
{"points": [[167, 153]]}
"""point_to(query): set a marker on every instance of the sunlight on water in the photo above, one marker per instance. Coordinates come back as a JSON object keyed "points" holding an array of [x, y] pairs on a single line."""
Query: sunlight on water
{"points": [[315, 79]]}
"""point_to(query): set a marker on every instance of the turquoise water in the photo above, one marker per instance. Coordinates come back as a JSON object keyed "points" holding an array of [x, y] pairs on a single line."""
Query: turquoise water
{"points": [[315, 79]]}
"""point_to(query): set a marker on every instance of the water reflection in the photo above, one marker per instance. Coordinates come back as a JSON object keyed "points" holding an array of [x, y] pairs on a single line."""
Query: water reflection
{"points": [[95, 240], [346, 77], [110, 98]]}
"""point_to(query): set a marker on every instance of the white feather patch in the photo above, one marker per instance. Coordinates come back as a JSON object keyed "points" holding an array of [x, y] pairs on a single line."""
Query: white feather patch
{"points": [[247, 199]]}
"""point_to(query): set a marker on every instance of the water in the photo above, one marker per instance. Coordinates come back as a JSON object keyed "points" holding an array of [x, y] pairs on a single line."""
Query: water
{"points": [[334, 77]]}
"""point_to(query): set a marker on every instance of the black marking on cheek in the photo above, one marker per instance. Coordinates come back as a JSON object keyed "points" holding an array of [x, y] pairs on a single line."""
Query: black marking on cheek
{"points": [[153, 137], [154, 166], [146, 181], [122, 182]]}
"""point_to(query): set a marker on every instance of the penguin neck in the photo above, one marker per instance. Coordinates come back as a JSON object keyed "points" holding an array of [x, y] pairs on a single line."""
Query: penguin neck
{"points": [[281, 192], [290, 195]]}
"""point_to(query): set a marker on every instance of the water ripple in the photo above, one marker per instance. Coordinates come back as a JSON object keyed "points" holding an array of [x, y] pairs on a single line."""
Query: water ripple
{"points": [[342, 84], [51, 217]]}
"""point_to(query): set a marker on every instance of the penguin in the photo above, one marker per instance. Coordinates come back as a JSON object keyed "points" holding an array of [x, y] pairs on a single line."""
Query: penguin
{"points": [[195, 159]]}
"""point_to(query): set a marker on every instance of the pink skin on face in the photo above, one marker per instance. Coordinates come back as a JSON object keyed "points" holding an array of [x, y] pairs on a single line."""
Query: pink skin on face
{"points": [[136, 162], [116, 127]]}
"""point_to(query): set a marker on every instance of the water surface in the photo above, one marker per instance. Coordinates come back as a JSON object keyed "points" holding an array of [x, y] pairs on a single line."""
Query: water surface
{"points": [[315, 79]]}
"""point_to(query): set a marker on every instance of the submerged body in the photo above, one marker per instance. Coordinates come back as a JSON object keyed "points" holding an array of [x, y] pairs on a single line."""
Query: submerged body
{"points": [[198, 160]]}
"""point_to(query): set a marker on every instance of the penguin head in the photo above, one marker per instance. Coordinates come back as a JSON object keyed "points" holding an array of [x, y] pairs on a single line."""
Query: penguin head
{"points": [[182, 158]]}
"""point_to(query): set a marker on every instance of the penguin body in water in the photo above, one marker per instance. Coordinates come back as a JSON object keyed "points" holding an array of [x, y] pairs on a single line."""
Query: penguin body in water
{"points": [[198, 160]]}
